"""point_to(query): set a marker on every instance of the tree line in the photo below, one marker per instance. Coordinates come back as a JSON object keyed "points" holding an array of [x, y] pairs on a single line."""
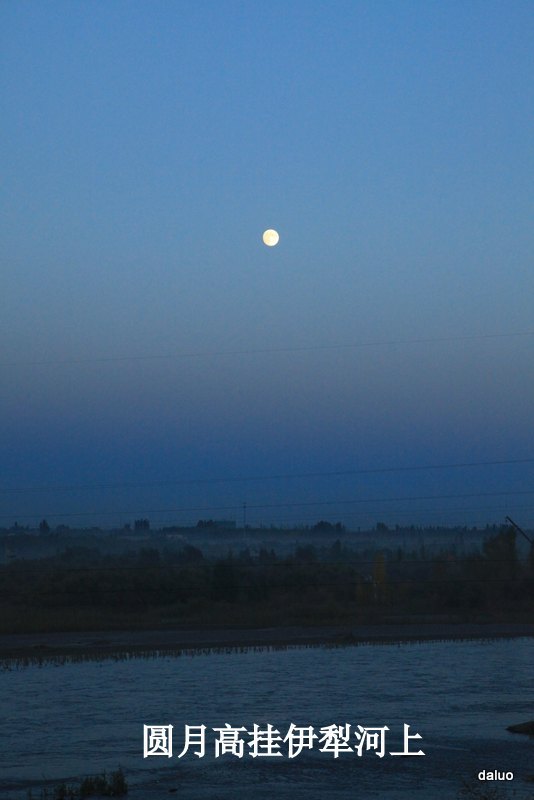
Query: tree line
{"points": [[333, 584]]}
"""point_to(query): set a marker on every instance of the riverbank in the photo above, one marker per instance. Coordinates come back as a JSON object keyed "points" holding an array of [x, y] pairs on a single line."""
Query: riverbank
{"points": [[105, 644]]}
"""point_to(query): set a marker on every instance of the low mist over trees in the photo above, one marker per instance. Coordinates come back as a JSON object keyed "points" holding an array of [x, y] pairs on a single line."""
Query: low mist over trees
{"points": [[82, 588]]}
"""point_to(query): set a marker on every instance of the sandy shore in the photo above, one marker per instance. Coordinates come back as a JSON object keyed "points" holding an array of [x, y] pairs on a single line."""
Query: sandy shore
{"points": [[109, 643]]}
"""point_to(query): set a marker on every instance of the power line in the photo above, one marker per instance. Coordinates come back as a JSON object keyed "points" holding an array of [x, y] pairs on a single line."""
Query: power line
{"points": [[45, 568], [352, 526], [141, 591], [251, 506], [265, 350], [257, 478]]}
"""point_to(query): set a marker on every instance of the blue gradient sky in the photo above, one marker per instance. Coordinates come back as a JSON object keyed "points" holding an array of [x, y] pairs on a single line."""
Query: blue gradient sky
{"points": [[147, 145]]}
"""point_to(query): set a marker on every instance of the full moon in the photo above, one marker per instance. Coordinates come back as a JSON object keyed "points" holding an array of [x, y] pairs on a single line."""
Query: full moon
{"points": [[270, 237]]}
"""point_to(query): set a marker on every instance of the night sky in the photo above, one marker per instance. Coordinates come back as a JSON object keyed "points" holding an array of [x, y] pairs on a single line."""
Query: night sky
{"points": [[150, 342]]}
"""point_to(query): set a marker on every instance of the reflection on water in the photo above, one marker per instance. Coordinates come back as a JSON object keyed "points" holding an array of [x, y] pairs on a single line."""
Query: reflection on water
{"points": [[70, 719]]}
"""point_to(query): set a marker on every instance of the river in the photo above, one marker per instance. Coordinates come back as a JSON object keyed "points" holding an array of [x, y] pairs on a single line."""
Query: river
{"points": [[65, 721]]}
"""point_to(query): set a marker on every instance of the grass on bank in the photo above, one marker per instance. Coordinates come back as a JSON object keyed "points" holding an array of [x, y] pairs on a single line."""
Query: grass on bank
{"points": [[112, 785]]}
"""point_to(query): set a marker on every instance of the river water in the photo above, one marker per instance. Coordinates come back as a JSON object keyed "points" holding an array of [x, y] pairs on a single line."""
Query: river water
{"points": [[61, 722]]}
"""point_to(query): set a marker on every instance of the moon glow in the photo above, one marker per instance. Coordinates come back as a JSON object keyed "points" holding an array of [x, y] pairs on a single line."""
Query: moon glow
{"points": [[270, 237]]}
